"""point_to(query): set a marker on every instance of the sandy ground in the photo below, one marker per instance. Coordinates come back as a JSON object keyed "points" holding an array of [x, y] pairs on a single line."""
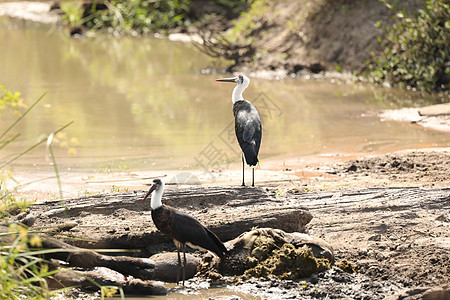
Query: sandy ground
{"points": [[436, 117], [388, 215], [30, 11]]}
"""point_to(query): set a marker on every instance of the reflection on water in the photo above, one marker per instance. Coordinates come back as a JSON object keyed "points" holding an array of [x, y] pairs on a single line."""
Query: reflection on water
{"points": [[142, 104], [197, 292]]}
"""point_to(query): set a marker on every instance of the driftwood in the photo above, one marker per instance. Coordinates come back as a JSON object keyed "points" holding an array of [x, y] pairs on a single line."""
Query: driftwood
{"points": [[121, 221], [88, 269], [88, 259], [85, 280]]}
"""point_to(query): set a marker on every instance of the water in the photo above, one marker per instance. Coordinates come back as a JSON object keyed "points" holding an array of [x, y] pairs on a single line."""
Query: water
{"points": [[195, 292], [143, 104]]}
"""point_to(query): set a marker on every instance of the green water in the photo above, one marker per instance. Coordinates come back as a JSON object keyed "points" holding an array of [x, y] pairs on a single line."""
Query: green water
{"points": [[144, 104]]}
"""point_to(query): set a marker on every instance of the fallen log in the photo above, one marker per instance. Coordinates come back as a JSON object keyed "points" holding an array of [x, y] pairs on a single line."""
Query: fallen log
{"points": [[87, 259], [91, 280], [121, 221], [78, 267]]}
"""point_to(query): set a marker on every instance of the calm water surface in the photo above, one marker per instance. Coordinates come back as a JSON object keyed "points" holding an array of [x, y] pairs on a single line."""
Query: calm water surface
{"points": [[143, 104]]}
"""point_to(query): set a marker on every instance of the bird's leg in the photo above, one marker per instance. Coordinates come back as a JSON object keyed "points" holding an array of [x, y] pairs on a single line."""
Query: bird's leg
{"points": [[184, 263], [179, 264], [253, 176], [243, 170]]}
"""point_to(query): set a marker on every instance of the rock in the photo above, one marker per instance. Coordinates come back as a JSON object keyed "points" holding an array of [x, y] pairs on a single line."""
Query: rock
{"points": [[444, 218], [375, 237], [166, 266], [435, 110], [437, 293], [351, 168], [424, 293], [251, 248]]}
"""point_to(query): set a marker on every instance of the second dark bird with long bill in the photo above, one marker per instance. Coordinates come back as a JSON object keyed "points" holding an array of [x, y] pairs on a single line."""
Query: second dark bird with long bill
{"points": [[181, 228]]}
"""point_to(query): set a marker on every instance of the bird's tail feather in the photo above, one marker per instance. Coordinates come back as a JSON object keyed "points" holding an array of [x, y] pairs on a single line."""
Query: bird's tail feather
{"points": [[251, 157]]}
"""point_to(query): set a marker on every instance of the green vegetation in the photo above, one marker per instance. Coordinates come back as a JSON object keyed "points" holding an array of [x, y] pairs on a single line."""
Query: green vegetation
{"points": [[23, 272], [10, 100], [140, 16], [417, 49], [248, 22], [73, 13]]}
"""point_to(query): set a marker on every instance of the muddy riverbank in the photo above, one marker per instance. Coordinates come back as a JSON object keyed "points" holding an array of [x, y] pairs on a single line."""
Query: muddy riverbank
{"points": [[387, 215]]}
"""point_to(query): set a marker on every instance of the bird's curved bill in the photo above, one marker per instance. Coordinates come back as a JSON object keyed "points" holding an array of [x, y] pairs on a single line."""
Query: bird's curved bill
{"points": [[149, 192], [234, 79]]}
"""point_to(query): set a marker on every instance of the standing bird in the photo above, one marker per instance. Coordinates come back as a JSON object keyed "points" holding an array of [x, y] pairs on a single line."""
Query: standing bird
{"points": [[247, 125], [181, 228]]}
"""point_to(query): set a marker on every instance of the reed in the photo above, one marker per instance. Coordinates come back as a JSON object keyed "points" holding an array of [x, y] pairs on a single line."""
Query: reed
{"points": [[23, 270]]}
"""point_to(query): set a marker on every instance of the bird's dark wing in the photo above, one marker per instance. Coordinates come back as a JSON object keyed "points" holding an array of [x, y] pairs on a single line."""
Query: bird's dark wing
{"points": [[163, 218], [188, 230], [248, 130]]}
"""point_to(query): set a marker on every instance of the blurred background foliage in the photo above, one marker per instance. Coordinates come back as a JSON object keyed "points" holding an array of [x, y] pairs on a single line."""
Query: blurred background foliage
{"points": [[416, 46], [143, 16], [416, 49]]}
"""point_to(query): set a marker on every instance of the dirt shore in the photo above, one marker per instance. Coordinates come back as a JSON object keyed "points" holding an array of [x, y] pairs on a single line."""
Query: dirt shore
{"points": [[388, 215], [398, 240]]}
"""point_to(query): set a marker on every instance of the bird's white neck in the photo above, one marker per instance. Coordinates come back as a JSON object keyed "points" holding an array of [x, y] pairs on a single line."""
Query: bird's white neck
{"points": [[237, 93], [156, 198]]}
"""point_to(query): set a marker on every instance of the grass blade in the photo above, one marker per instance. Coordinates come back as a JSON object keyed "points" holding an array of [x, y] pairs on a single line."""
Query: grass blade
{"points": [[32, 147], [22, 116], [6, 142]]}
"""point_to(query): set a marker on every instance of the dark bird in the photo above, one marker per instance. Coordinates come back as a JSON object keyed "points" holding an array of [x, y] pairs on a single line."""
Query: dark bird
{"points": [[247, 125], [181, 228]]}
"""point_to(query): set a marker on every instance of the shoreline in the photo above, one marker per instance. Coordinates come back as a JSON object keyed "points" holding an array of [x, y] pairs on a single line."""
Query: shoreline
{"points": [[394, 231], [310, 173], [434, 117], [437, 117], [39, 12]]}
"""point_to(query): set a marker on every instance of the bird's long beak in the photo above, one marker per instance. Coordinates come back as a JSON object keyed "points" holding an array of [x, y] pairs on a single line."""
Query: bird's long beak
{"points": [[149, 192], [234, 79]]}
